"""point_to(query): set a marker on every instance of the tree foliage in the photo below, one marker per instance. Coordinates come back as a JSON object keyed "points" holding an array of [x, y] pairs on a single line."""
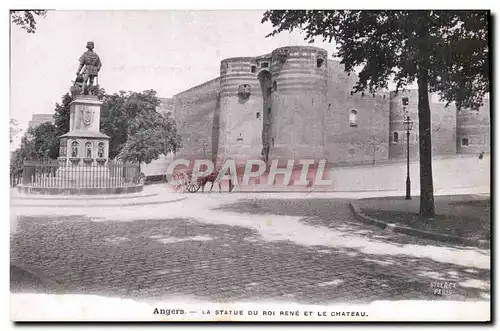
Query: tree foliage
{"points": [[38, 143], [26, 19], [14, 129], [451, 45], [443, 51], [119, 109], [150, 135], [62, 114], [45, 140]]}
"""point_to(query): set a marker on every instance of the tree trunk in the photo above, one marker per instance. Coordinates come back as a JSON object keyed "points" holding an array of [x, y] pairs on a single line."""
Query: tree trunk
{"points": [[424, 129]]}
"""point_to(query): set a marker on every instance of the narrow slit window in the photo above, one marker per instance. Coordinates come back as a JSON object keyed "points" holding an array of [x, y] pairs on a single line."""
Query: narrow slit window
{"points": [[353, 118], [253, 69], [319, 63], [258, 115], [395, 137], [268, 111], [275, 86]]}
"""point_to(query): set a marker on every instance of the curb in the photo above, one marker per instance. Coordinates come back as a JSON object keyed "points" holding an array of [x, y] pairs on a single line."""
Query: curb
{"points": [[69, 197], [101, 205], [484, 244], [80, 191]]}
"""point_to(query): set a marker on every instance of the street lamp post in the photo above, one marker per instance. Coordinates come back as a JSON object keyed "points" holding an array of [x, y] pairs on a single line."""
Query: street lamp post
{"points": [[408, 124]]}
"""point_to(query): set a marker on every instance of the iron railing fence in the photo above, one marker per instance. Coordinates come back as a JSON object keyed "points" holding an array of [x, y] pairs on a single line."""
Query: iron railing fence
{"points": [[52, 174], [16, 177]]}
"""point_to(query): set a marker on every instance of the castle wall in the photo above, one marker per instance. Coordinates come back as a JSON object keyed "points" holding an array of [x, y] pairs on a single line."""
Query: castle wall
{"points": [[443, 126], [474, 127], [298, 103], [195, 112], [366, 138], [302, 108]]}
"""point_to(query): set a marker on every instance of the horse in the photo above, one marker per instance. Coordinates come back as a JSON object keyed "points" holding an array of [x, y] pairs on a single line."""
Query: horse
{"points": [[212, 177]]}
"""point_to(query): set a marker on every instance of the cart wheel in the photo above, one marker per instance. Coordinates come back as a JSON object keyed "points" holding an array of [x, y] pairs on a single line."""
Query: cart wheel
{"points": [[193, 188]]}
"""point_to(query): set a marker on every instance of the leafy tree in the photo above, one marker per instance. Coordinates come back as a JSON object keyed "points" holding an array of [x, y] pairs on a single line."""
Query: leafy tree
{"points": [[119, 109], [38, 143], [14, 129], [25, 152], [46, 141], [26, 18], [443, 51], [150, 135], [62, 114]]}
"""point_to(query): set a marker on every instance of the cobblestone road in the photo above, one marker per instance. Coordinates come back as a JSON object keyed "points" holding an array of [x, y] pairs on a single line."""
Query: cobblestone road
{"points": [[225, 249]]}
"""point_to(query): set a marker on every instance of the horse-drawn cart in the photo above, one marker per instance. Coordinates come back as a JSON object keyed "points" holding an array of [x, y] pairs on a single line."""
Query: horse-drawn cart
{"points": [[183, 180]]}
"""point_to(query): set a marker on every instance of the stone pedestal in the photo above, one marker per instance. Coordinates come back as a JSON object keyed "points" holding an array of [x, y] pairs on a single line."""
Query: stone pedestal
{"points": [[84, 145]]}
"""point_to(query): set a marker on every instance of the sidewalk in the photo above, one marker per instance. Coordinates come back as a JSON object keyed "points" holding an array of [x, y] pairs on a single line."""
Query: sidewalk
{"points": [[460, 218], [153, 194]]}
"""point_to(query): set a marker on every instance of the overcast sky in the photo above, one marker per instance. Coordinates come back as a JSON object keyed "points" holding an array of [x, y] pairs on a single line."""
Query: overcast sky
{"points": [[168, 51]]}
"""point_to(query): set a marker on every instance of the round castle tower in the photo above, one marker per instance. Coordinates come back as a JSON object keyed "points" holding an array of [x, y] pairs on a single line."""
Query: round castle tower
{"points": [[299, 85], [273, 106], [240, 121]]}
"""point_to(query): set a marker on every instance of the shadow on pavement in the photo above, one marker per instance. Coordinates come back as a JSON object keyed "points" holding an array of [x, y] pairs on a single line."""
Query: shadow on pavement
{"points": [[164, 259]]}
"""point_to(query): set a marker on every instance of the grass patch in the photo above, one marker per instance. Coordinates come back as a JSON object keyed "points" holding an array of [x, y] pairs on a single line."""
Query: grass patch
{"points": [[461, 226]]}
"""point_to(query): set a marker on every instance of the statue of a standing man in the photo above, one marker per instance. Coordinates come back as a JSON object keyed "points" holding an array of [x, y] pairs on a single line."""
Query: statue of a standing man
{"points": [[92, 63]]}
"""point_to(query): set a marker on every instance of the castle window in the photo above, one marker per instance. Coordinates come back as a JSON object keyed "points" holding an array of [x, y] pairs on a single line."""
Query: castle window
{"points": [[258, 115], [395, 137], [353, 118], [253, 69], [264, 65], [465, 142], [272, 142], [268, 111], [269, 91], [319, 63], [275, 86]]}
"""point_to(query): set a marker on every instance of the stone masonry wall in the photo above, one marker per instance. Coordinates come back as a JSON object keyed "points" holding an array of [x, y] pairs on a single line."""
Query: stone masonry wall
{"points": [[300, 104], [443, 126], [473, 130], [195, 115], [364, 140]]}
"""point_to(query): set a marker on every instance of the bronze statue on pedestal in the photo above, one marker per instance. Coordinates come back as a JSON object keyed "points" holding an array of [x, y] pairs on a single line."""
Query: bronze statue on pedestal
{"points": [[91, 64]]}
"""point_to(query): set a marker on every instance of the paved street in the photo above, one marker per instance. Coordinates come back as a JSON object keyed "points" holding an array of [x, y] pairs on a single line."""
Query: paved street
{"points": [[240, 248]]}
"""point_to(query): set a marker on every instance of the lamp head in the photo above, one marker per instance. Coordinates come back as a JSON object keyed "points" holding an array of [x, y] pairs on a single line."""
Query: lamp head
{"points": [[406, 101]]}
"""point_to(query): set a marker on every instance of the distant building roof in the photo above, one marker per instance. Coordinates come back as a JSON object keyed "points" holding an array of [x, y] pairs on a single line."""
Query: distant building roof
{"points": [[38, 119]]}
